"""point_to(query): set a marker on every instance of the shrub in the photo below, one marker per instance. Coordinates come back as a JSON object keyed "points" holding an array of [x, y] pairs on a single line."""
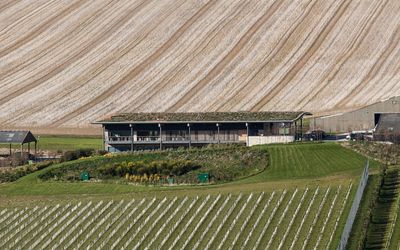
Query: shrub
{"points": [[102, 152], [14, 174], [76, 154]]}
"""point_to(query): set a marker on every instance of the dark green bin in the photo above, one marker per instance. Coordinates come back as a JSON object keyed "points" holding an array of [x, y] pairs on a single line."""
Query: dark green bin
{"points": [[203, 177], [85, 176]]}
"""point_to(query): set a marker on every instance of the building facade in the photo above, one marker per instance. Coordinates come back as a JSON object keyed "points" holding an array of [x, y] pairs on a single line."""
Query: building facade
{"points": [[140, 131], [360, 119], [387, 127]]}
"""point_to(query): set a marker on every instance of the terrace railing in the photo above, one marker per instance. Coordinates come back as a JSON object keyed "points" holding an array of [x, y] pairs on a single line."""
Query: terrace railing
{"points": [[171, 139]]}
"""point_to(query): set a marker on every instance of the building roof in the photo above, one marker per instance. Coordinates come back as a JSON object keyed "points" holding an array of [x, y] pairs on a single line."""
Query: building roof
{"points": [[388, 122], [204, 117], [20, 137]]}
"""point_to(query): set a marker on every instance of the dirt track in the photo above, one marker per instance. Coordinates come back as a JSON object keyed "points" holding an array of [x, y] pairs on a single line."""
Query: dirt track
{"points": [[68, 63]]}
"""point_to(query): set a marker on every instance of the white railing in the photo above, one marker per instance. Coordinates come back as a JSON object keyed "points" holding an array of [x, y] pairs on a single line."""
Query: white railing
{"points": [[173, 138], [264, 230], [292, 220], [316, 218], [228, 214], [260, 216], [281, 219], [119, 139]]}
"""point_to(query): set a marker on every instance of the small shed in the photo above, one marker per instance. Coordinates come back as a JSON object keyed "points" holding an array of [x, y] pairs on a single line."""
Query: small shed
{"points": [[18, 137]]}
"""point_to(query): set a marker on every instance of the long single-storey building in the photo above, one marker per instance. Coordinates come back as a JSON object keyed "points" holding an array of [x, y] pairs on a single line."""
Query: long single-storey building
{"points": [[356, 120], [138, 131]]}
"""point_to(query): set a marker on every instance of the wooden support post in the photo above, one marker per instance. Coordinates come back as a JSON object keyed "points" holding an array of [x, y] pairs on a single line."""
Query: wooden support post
{"points": [[131, 126], [247, 139], [301, 128], [159, 125], [218, 134], [29, 149], [102, 137], [190, 136], [35, 151], [10, 150]]}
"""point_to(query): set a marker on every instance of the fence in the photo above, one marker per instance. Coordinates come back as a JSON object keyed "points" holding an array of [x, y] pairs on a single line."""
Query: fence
{"points": [[354, 208]]}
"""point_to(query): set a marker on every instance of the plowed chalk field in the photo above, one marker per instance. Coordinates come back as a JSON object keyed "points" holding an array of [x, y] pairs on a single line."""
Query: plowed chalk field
{"points": [[66, 63]]}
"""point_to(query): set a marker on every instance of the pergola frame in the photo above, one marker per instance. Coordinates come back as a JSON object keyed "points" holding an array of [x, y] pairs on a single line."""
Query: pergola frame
{"points": [[21, 138]]}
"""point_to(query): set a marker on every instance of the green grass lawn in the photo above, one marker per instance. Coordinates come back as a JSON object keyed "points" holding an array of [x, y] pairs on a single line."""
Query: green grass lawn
{"points": [[64, 143], [311, 160], [290, 166]]}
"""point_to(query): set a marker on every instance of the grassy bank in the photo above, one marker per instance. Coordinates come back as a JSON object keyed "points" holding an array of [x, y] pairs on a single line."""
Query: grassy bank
{"points": [[222, 163], [290, 166]]}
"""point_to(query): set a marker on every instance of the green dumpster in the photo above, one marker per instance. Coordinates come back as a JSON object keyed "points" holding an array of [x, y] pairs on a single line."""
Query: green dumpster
{"points": [[85, 176], [203, 177], [170, 180]]}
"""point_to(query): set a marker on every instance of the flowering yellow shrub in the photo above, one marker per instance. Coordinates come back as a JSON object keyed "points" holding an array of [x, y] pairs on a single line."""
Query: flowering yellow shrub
{"points": [[143, 178]]}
